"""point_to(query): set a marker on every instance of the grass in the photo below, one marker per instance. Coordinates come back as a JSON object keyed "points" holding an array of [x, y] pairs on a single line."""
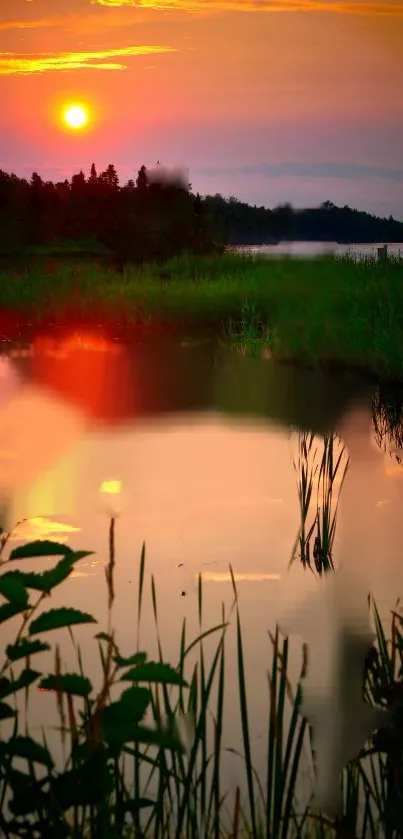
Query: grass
{"points": [[149, 762], [324, 310]]}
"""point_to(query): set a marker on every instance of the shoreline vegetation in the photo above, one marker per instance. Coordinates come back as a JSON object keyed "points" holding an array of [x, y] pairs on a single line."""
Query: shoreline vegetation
{"points": [[143, 751], [321, 311], [157, 216], [149, 259]]}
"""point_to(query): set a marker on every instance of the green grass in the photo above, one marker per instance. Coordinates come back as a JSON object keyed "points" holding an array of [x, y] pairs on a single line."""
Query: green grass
{"points": [[330, 310]]}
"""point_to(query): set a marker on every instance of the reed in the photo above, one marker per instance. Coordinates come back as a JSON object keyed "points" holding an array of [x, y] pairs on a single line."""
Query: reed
{"points": [[316, 537], [149, 763]]}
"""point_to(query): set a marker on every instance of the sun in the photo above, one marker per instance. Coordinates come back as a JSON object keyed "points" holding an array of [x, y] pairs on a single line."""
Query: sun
{"points": [[75, 116]]}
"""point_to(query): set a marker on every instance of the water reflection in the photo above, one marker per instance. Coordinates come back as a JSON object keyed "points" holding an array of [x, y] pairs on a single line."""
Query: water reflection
{"points": [[197, 446], [195, 443], [111, 383], [387, 417]]}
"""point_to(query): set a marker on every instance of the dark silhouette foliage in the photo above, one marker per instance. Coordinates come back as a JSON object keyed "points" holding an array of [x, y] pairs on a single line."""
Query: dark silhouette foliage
{"points": [[155, 216], [241, 224]]}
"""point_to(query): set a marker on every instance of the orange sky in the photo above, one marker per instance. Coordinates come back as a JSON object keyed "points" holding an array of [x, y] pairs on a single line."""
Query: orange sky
{"points": [[269, 100]]}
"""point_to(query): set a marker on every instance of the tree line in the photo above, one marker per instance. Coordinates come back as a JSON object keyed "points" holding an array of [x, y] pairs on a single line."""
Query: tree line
{"points": [[240, 224], [154, 217], [157, 216]]}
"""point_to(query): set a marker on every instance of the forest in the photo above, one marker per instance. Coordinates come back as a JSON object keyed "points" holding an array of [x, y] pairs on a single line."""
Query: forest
{"points": [[157, 216]]}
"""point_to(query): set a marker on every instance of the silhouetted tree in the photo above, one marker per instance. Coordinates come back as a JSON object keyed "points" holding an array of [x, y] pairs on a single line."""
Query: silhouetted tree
{"points": [[93, 178], [141, 180], [198, 205], [158, 216], [110, 177]]}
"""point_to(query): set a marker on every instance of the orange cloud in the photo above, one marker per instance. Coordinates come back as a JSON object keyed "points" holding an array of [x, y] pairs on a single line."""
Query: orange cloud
{"points": [[28, 24], [11, 63], [356, 7]]}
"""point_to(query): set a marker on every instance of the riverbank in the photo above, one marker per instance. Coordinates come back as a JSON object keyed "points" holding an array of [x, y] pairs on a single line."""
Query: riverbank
{"points": [[311, 311]]}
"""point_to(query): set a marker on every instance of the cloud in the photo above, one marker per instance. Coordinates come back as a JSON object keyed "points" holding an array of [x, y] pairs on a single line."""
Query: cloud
{"points": [[307, 170], [355, 7], [28, 24], [13, 63]]}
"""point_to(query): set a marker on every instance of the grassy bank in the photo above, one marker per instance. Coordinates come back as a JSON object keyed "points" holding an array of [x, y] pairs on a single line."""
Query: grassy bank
{"points": [[321, 310]]}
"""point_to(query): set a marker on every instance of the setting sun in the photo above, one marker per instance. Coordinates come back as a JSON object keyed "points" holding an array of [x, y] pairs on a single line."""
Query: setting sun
{"points": [[75, 116]]}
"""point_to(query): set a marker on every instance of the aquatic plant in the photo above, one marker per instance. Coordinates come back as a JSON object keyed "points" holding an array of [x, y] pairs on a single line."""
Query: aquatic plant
{"points": [[323, 527]]}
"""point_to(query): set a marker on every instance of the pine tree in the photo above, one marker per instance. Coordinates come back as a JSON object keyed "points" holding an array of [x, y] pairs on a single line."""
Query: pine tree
{"points": [[142, 180], [93, 175]]}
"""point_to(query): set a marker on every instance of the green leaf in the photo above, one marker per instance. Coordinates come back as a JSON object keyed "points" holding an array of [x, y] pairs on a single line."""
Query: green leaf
{"points": [[155, 672], [26, 678], [6, 712], [47, 580], [59, 618], [129, 708], [82, 554], [13, 589], [135, 697], [120, 730], [25, 647], [41, 547], [137, 658], [28, 748], [8, 610], [90, 783], [28, 796], [71, 683]]}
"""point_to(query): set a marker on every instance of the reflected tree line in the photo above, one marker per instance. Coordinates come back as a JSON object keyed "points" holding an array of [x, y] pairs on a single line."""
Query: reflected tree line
{"points": [[156, 215]]}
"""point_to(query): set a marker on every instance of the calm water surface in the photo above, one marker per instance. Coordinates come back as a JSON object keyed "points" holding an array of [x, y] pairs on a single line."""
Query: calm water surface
{"points": [[310, 249], [202, 442]]}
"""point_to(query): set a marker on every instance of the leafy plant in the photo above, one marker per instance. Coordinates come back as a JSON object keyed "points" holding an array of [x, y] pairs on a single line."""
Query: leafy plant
{"points": [[90, 793]]}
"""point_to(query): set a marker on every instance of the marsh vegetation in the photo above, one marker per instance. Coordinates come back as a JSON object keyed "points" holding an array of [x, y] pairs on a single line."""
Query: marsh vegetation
{"points": [[325, 310], [143, 749]]}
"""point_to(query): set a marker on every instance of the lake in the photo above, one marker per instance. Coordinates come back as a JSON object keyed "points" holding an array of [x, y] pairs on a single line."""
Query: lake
{"points": [[199, 442], [310, 249]]}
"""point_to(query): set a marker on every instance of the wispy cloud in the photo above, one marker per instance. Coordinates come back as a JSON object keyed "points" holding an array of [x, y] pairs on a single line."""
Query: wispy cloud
{"points": [[13, 63], [307, 170], [41, 23], [355, 7]]}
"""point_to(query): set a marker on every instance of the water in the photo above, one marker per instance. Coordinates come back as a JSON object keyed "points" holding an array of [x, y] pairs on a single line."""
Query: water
{"points": [[310, 249], [200, 441]]}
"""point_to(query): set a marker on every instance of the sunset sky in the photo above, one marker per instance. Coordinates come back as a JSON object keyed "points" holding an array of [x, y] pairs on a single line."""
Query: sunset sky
{"points": [[267, 100]]}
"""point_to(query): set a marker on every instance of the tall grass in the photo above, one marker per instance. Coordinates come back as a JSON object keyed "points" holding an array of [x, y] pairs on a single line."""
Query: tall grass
{"points": [[339, 311]]}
